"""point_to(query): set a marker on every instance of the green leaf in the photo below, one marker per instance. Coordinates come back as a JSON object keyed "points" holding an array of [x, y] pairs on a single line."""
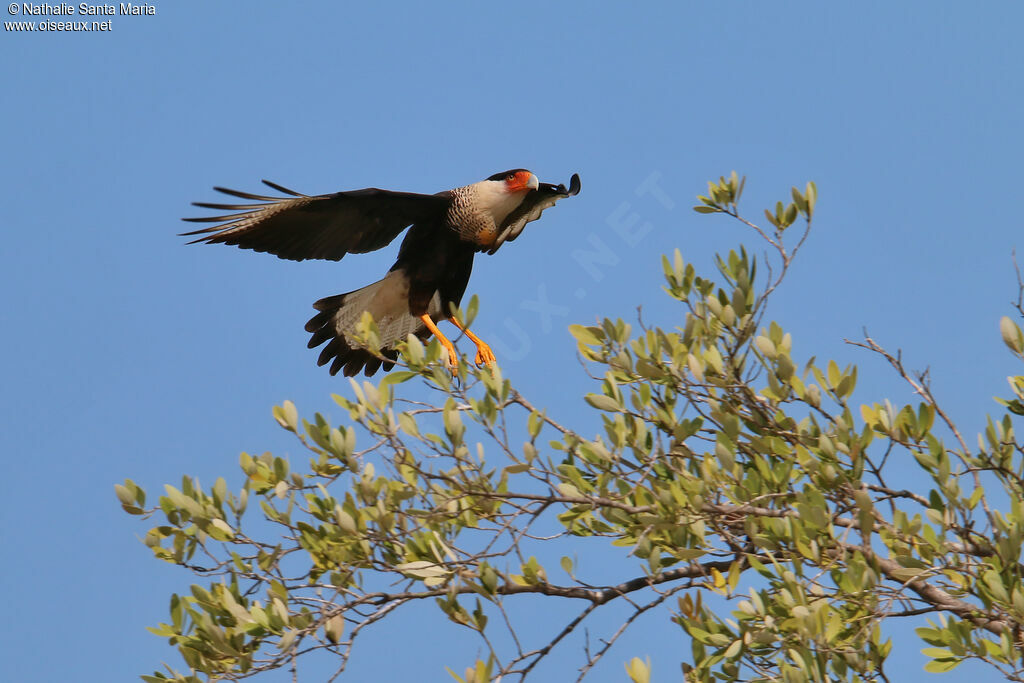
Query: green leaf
{"points": [[602, 402], [287, 639], [398, 377], [124, 494], [225, 531], [941, 666], [1011, 334], [408, 425], [588, 336], [471, 309], [568, 490], [534, 424], [334, 628], [907, 573], [766, 347], [421, 569], [287, 416], [639, 671], [799, 200]]}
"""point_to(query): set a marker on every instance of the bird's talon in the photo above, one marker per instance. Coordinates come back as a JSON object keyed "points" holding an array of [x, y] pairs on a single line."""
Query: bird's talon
{"points": [[453, 364]]}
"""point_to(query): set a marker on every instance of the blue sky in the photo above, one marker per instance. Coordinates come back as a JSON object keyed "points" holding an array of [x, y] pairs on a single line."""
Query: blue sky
{"points": [[127, 354]]}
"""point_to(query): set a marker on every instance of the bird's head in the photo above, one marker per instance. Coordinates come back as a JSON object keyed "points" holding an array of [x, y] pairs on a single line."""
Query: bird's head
{"points": [[517, 180], [500, 194]]}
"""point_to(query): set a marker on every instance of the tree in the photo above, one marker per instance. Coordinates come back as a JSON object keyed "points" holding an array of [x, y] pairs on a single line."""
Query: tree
{"points": [[750, 497]]}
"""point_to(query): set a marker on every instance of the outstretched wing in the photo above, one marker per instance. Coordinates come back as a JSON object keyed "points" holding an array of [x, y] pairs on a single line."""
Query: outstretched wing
{"points": [[326, 226], [532, 207]]}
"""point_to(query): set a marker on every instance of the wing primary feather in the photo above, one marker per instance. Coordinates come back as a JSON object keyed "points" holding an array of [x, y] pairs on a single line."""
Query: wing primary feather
{"points": [[201, 231], [228, 207], [203, 219], [245, 195], [372, 366], [244, 212], [281, 188], [230, 217]]}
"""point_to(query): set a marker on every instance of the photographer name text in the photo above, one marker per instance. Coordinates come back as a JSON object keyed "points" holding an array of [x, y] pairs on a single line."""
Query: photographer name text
{"points": [[85, 9]]}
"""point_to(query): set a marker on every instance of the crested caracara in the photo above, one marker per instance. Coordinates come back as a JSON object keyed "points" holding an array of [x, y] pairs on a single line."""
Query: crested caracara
{"points": [[434, 261]]}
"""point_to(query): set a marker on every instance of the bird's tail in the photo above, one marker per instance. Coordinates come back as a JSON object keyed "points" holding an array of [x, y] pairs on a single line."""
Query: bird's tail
{"points": [[338, 316]]}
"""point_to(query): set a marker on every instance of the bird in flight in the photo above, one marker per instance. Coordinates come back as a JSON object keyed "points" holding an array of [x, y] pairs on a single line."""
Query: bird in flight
{"points": [[434, 261]]}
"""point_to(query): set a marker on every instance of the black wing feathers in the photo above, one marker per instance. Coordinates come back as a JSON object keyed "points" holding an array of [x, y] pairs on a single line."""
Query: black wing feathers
{"points": [[299, 226]]}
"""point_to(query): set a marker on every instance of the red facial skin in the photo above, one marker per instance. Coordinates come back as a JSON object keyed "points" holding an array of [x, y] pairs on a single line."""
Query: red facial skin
{"points": [[519, 182]]}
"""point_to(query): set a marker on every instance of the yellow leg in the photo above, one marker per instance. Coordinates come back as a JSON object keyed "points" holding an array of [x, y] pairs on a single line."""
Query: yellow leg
{"points": [[483, 351], [453, 357]]}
